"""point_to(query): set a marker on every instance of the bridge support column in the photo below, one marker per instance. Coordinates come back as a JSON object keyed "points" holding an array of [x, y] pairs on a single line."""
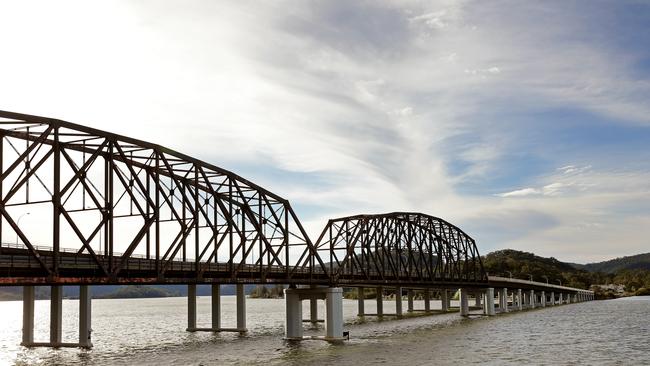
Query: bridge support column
{"points": [[477, 299], [520, 303], [28, 316], [334, 318], [531, 298], [489, 301], [293, 312], [85, 316], [333, 297], [552, 298], [398, 301], [464, 302], [503, 300], [409, 295], [543, 299], [56, 315], [216, 305], [360, 300], [444, 299], [427, 300], [191, 307], [313, 309], [241, 309], [380, 301], [559, 299]]}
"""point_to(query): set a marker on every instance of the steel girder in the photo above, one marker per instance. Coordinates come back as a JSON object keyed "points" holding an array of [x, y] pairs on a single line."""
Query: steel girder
{"points": [[115, 198], [399, 248]]}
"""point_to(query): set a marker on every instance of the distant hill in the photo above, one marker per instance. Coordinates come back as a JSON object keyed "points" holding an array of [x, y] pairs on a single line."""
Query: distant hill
{"points": [[523, 264], [639, 261]]}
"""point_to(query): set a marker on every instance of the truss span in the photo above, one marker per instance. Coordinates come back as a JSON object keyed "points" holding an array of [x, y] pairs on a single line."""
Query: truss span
{"points": [[401, 247], [110, 201]]}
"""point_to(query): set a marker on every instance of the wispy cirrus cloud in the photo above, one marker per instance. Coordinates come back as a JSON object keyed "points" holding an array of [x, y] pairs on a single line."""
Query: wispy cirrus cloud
{"points": [[454, 108]]}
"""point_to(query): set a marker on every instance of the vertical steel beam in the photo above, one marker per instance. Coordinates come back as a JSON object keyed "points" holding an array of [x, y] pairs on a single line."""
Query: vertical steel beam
{"points": [[56, 201]]}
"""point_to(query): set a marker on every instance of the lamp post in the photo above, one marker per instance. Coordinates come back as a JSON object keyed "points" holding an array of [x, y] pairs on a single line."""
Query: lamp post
{"points": [[530, 277], [18, 222], [546, 279], [509, 273], [560, 282]]}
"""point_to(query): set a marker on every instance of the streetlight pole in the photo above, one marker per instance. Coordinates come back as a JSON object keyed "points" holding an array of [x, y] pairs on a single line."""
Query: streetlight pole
{"points": [[18, 222], [530, 277], [546, 277], [560, 282], [510, 273]]}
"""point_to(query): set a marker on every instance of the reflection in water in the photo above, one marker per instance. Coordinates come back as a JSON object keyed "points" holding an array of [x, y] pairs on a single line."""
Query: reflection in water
{"points": [[152, 332]]}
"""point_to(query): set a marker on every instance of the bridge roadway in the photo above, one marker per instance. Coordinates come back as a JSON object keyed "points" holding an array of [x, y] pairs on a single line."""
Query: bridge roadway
{"points": [[132, 212]]}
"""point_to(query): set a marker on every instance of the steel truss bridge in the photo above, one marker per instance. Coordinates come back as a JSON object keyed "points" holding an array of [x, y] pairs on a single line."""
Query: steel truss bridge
{"points": [[112, 209]]}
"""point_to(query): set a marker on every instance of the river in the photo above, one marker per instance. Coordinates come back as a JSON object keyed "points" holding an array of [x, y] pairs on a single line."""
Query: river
{"points": [[152, 332]]}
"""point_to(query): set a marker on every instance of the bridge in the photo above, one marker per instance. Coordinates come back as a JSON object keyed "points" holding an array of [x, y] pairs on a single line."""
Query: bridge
{"points": [[109, 209]]}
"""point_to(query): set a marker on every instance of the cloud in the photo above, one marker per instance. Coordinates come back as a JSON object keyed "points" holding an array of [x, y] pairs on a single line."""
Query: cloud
{"points": [[396, 105]]}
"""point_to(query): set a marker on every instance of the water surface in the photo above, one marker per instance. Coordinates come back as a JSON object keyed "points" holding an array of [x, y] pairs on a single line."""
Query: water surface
{"points": [[152, 332]]}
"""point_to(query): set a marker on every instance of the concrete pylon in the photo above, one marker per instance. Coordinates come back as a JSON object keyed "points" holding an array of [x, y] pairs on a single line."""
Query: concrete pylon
{"points": [[444, 299], [409, 295], [56, 315], [360, 301], [398, 301], [531, 298], [427, 300], [464, 302], [489, 301], [380, 301], [28, 316], [520, 300], [241, 308], [503, 300], [85, 316]]}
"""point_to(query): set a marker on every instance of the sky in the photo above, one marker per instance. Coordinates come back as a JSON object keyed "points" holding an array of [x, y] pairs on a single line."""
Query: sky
{"points": [[527, 124]]}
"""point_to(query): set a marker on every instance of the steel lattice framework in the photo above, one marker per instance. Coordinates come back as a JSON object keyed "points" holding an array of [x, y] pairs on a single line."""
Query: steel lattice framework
{"points": [[400, 247], [130, 208], [114, 209]]}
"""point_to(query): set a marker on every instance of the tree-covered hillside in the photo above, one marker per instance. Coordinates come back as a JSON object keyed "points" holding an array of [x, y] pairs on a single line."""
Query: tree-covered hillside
{"points": [[639, 261]]}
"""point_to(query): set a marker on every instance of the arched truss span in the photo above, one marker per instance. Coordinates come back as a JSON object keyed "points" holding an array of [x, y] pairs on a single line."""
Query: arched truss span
{"points": [[115, 202], [400, 247]]}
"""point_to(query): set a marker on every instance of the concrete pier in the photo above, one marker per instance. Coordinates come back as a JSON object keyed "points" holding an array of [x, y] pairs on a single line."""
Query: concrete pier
{"points": [[427, 300], [241, 308], [191, 307], [520, 304], [503, 300], [380, 301], [489, 302], [444, 298], [85, 317], [215, 293], [56, 315], [333, 297], [531, 298], [28, 315], [398, 301], [552, 298], [464, 302], [477, 299], [409, 294], [361, 301]]}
